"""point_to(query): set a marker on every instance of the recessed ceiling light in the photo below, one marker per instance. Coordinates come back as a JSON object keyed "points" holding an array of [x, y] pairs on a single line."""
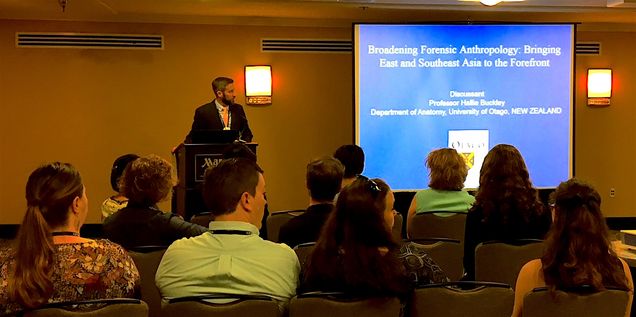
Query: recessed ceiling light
{"points": [[490, 2]]}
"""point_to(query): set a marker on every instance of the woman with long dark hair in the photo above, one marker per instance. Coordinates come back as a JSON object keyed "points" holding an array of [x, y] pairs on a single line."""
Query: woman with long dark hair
{"points": [[356, 253], [50, 262], [578, 249], [507, 206]]}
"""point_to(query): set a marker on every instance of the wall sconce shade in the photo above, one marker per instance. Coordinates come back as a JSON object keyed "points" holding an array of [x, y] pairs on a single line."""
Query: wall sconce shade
{"points": [[599, 87], [258, 85]]}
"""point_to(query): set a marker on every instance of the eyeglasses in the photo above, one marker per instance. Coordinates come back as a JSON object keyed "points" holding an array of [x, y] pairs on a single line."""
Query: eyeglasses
{"points": [[371, 185]]}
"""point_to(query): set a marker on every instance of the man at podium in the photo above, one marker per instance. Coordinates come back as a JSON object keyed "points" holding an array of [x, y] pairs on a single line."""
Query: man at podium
{"points": [[222, 113]]}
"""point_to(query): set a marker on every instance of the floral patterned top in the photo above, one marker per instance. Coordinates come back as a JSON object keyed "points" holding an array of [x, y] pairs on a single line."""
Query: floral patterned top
{"points": [[82, 271]]}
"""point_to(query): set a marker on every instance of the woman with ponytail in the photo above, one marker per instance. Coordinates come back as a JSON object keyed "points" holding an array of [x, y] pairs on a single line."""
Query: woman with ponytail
{"points": [[49, 261], [578, 251]]}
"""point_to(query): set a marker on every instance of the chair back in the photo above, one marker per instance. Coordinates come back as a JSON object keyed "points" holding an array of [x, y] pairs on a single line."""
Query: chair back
{"points": [[202, 219], [147, 260], [447, 253], [498, 261], [303, 251], [111, 307], [398, 223], [459, 299], [430, 225], [277, 219], [608, 303], [320, 304], [238, 306]]}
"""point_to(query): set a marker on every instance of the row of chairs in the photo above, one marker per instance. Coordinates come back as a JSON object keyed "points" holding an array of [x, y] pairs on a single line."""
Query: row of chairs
{"points": [[495, 261], [475, 299]]}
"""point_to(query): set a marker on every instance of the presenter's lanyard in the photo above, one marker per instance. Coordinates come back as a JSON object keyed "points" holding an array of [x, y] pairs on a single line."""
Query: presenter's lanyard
{"points": [[239, 232], [229, 119]]}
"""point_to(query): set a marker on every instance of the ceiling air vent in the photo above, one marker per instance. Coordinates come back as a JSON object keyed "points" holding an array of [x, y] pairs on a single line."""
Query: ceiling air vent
{"points": [[306, 46], [86, 40], [588, 48]]}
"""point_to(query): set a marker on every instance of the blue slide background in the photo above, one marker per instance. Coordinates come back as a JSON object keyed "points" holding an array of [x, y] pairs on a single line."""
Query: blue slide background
{"points": [[396, 146]]}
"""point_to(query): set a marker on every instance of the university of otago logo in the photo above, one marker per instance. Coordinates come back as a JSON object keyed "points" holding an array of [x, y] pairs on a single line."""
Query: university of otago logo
{"points": [[469, 158]]}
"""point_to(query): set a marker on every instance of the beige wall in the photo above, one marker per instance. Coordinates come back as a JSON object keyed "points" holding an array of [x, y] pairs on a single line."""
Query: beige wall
{"points": [[89, 106], [605, 138]]}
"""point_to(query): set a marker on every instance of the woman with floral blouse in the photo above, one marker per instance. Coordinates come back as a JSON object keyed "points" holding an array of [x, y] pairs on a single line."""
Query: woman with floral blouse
{"points": [[49, 261]]}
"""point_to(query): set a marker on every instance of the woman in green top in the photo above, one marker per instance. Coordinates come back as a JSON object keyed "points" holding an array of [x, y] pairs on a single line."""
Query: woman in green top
{"points": [[447, 173]]}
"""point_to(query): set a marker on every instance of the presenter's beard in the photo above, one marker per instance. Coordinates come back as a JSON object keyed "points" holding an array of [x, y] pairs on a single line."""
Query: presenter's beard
{"points": [[227, 101]]}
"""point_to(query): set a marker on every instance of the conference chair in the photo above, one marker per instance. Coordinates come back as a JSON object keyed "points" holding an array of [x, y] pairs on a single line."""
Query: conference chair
{"points": [[111, 307], [277, 219], [320, 304], [607, 303], [147, 259], [229, 305], [202, 219], [501, 261], [459, 299], [430, 225], [303, 251], [447, 253]]}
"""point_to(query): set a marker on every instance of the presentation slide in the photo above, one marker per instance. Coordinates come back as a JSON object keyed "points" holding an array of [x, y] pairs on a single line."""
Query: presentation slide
{"points": [[467, 87]]}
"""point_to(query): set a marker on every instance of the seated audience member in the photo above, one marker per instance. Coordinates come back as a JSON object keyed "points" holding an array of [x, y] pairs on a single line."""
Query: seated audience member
{"points": [[230, 258], [118, 201], [323, 179], [447, 173], [578, 250], [147, 181], [506, 207], [352, 157], [356, 253], [50, 262]]}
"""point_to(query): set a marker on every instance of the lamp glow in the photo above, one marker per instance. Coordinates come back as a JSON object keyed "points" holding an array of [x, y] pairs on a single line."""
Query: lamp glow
{"points": [[599, 87], [258, 85], [599, 83]]}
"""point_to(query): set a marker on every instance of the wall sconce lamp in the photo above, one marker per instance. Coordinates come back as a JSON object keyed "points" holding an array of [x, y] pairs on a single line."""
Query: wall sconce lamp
{"points": [[258, 85], [599, 87]]}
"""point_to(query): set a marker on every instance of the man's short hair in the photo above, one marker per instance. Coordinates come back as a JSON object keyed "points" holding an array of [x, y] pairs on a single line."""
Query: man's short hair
{"points": [[224, 184], [352, 157], [219, 83], [324, 178]]}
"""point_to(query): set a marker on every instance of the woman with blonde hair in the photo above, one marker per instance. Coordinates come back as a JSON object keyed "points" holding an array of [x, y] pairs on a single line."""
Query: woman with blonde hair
{"points": [[578, 250], [447, 173], [50, 261], [147, 181]]}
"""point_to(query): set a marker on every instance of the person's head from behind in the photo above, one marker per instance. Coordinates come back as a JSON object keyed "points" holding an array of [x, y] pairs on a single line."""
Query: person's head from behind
{"points": [[503, 165], [352, 157], [356, 246], [56, 201], [447, 169], [119, 166], [223, 89], [578, 249], [235, 188], [324, 178], [363, 216], [147, 181], [238, 150]]}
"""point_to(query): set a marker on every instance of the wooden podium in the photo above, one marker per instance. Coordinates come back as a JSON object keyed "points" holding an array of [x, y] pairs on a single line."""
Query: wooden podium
{"points": [[192, 161]]}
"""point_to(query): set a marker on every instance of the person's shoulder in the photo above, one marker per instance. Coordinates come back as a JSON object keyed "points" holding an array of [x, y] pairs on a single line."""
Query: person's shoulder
{"points": [[206, 106], [279, 248], [107, 246]]}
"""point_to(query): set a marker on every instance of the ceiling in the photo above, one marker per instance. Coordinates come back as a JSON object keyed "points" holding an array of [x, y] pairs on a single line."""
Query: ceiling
{"points": [[324, 13]]}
